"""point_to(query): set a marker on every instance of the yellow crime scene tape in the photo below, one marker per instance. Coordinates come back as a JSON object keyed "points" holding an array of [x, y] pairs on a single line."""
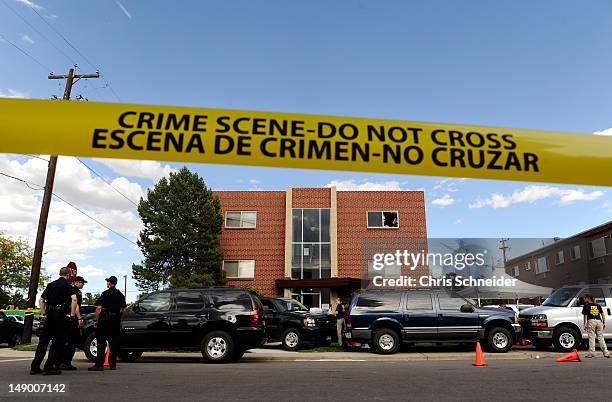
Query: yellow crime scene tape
{"points": [[237, 137]]}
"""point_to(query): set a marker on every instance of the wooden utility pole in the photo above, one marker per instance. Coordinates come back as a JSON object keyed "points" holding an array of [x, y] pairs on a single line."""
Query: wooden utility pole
{"points": [[71, 79], [503, 248]]}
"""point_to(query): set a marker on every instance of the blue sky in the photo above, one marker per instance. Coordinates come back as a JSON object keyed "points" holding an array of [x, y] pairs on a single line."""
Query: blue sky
{"points": [[542, 65]]}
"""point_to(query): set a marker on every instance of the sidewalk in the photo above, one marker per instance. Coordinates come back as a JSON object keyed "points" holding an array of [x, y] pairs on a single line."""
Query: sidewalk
{"points": [[268, 354]]}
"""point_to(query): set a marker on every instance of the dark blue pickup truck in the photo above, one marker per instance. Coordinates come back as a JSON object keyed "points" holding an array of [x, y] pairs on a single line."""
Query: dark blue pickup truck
{"points": [[386, 318]]}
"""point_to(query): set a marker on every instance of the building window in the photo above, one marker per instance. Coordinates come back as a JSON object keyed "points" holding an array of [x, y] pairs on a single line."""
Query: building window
{"points": [[541, 265], [311, 246], [575, 252], [559, 259], [240, 219], [515, 271], [600, 247], [383, 219], [528, 268], [239, 268]]}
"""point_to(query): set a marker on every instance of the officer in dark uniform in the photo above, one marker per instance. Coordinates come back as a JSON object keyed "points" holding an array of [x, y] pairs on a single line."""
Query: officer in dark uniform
{"points": [[58, 302], [73, 336], [109, 308]]}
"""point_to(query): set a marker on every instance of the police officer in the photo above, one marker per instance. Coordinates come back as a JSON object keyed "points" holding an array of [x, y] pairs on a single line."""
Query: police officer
{"points": [[57, 302], [73, 335], [109, 307]]}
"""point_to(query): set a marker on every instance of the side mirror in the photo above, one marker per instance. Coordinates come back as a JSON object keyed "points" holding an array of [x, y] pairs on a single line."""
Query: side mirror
{"points": [[467, 308], [136, 308], [12, 319]]}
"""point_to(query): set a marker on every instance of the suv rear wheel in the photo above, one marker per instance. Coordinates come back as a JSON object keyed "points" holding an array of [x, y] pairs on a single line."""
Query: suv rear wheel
{"points": [[566, 339], [218, 347], [90, 347], [499, 340], [385, 341], [292, 339]]}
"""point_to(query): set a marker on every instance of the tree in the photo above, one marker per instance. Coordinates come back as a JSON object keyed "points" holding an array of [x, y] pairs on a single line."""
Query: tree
{"points": [[90, 298], [180, 240], [15, 268]]}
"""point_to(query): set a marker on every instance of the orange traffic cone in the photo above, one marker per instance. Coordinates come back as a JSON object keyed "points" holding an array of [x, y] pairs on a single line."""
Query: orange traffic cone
{"points": [[480, 361], [572, 357], [106, 363]]}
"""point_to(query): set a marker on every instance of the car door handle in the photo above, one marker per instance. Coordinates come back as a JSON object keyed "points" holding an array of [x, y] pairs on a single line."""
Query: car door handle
{"points": [[162, 317], [201, 315], [440, 315]]}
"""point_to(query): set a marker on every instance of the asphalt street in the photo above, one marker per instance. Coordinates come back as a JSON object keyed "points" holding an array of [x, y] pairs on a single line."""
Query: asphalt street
{"points": [[187, 378]]}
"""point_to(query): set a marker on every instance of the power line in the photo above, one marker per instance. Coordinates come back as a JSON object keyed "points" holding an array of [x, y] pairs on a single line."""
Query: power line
{"points": [[37, 157], [38, 32], [26, 53], [76, 50], [63, 37], [105, 181], [28, 184], [94, 219]]}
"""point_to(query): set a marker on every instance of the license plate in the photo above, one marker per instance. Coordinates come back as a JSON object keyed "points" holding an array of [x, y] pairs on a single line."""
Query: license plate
{"points": [[347, 335]]}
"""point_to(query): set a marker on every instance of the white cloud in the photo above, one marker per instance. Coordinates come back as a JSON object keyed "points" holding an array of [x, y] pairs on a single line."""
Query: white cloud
{"points": [[26, 39], [86, 271], [70, 234], [607, 131], [11, 93], [31, 4], [151, 170], [75, 183], [533, 193], [125, 11], [444, 201], [353, 185]]}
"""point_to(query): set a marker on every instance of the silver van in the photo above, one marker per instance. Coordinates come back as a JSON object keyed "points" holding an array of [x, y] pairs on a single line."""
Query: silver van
{"points": [[559, 322]]}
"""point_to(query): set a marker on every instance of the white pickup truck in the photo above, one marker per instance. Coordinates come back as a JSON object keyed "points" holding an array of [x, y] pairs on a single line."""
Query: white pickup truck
{"points": [[558, 321]]}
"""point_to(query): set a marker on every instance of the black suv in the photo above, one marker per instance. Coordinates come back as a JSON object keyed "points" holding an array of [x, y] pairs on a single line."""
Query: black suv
{"points": [[10, 330], [290, 322], [386, 318], [220, 322]]}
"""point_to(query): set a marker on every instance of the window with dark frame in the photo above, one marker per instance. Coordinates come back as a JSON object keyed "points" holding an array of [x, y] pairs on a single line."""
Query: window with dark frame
{"points": [[383, 219], [575, 252], [241, 219], [239, 268]]}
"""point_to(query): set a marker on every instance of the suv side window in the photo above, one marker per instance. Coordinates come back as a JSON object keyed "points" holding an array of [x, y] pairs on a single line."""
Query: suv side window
{"points": [[419, 301], [450, 302], [269, 304], [189, 300], [155, 302], [231, 300], [379, 301]]}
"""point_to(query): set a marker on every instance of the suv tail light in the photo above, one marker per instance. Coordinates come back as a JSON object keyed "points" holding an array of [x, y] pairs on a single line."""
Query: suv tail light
{"points": [[255, 318], [348, 320]]}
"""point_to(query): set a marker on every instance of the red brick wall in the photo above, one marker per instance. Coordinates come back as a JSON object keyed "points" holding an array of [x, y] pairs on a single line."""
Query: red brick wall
{"points": [[265, 244], [311, 198], [353, 231]]}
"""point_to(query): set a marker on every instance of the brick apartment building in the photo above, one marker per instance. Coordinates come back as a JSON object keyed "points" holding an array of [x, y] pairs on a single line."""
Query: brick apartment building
{"points": [[310, 243], [585, 258]]}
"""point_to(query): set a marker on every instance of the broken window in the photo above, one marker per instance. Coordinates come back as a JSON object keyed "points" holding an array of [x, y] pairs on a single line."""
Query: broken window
{"points": [[383, 219]]}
